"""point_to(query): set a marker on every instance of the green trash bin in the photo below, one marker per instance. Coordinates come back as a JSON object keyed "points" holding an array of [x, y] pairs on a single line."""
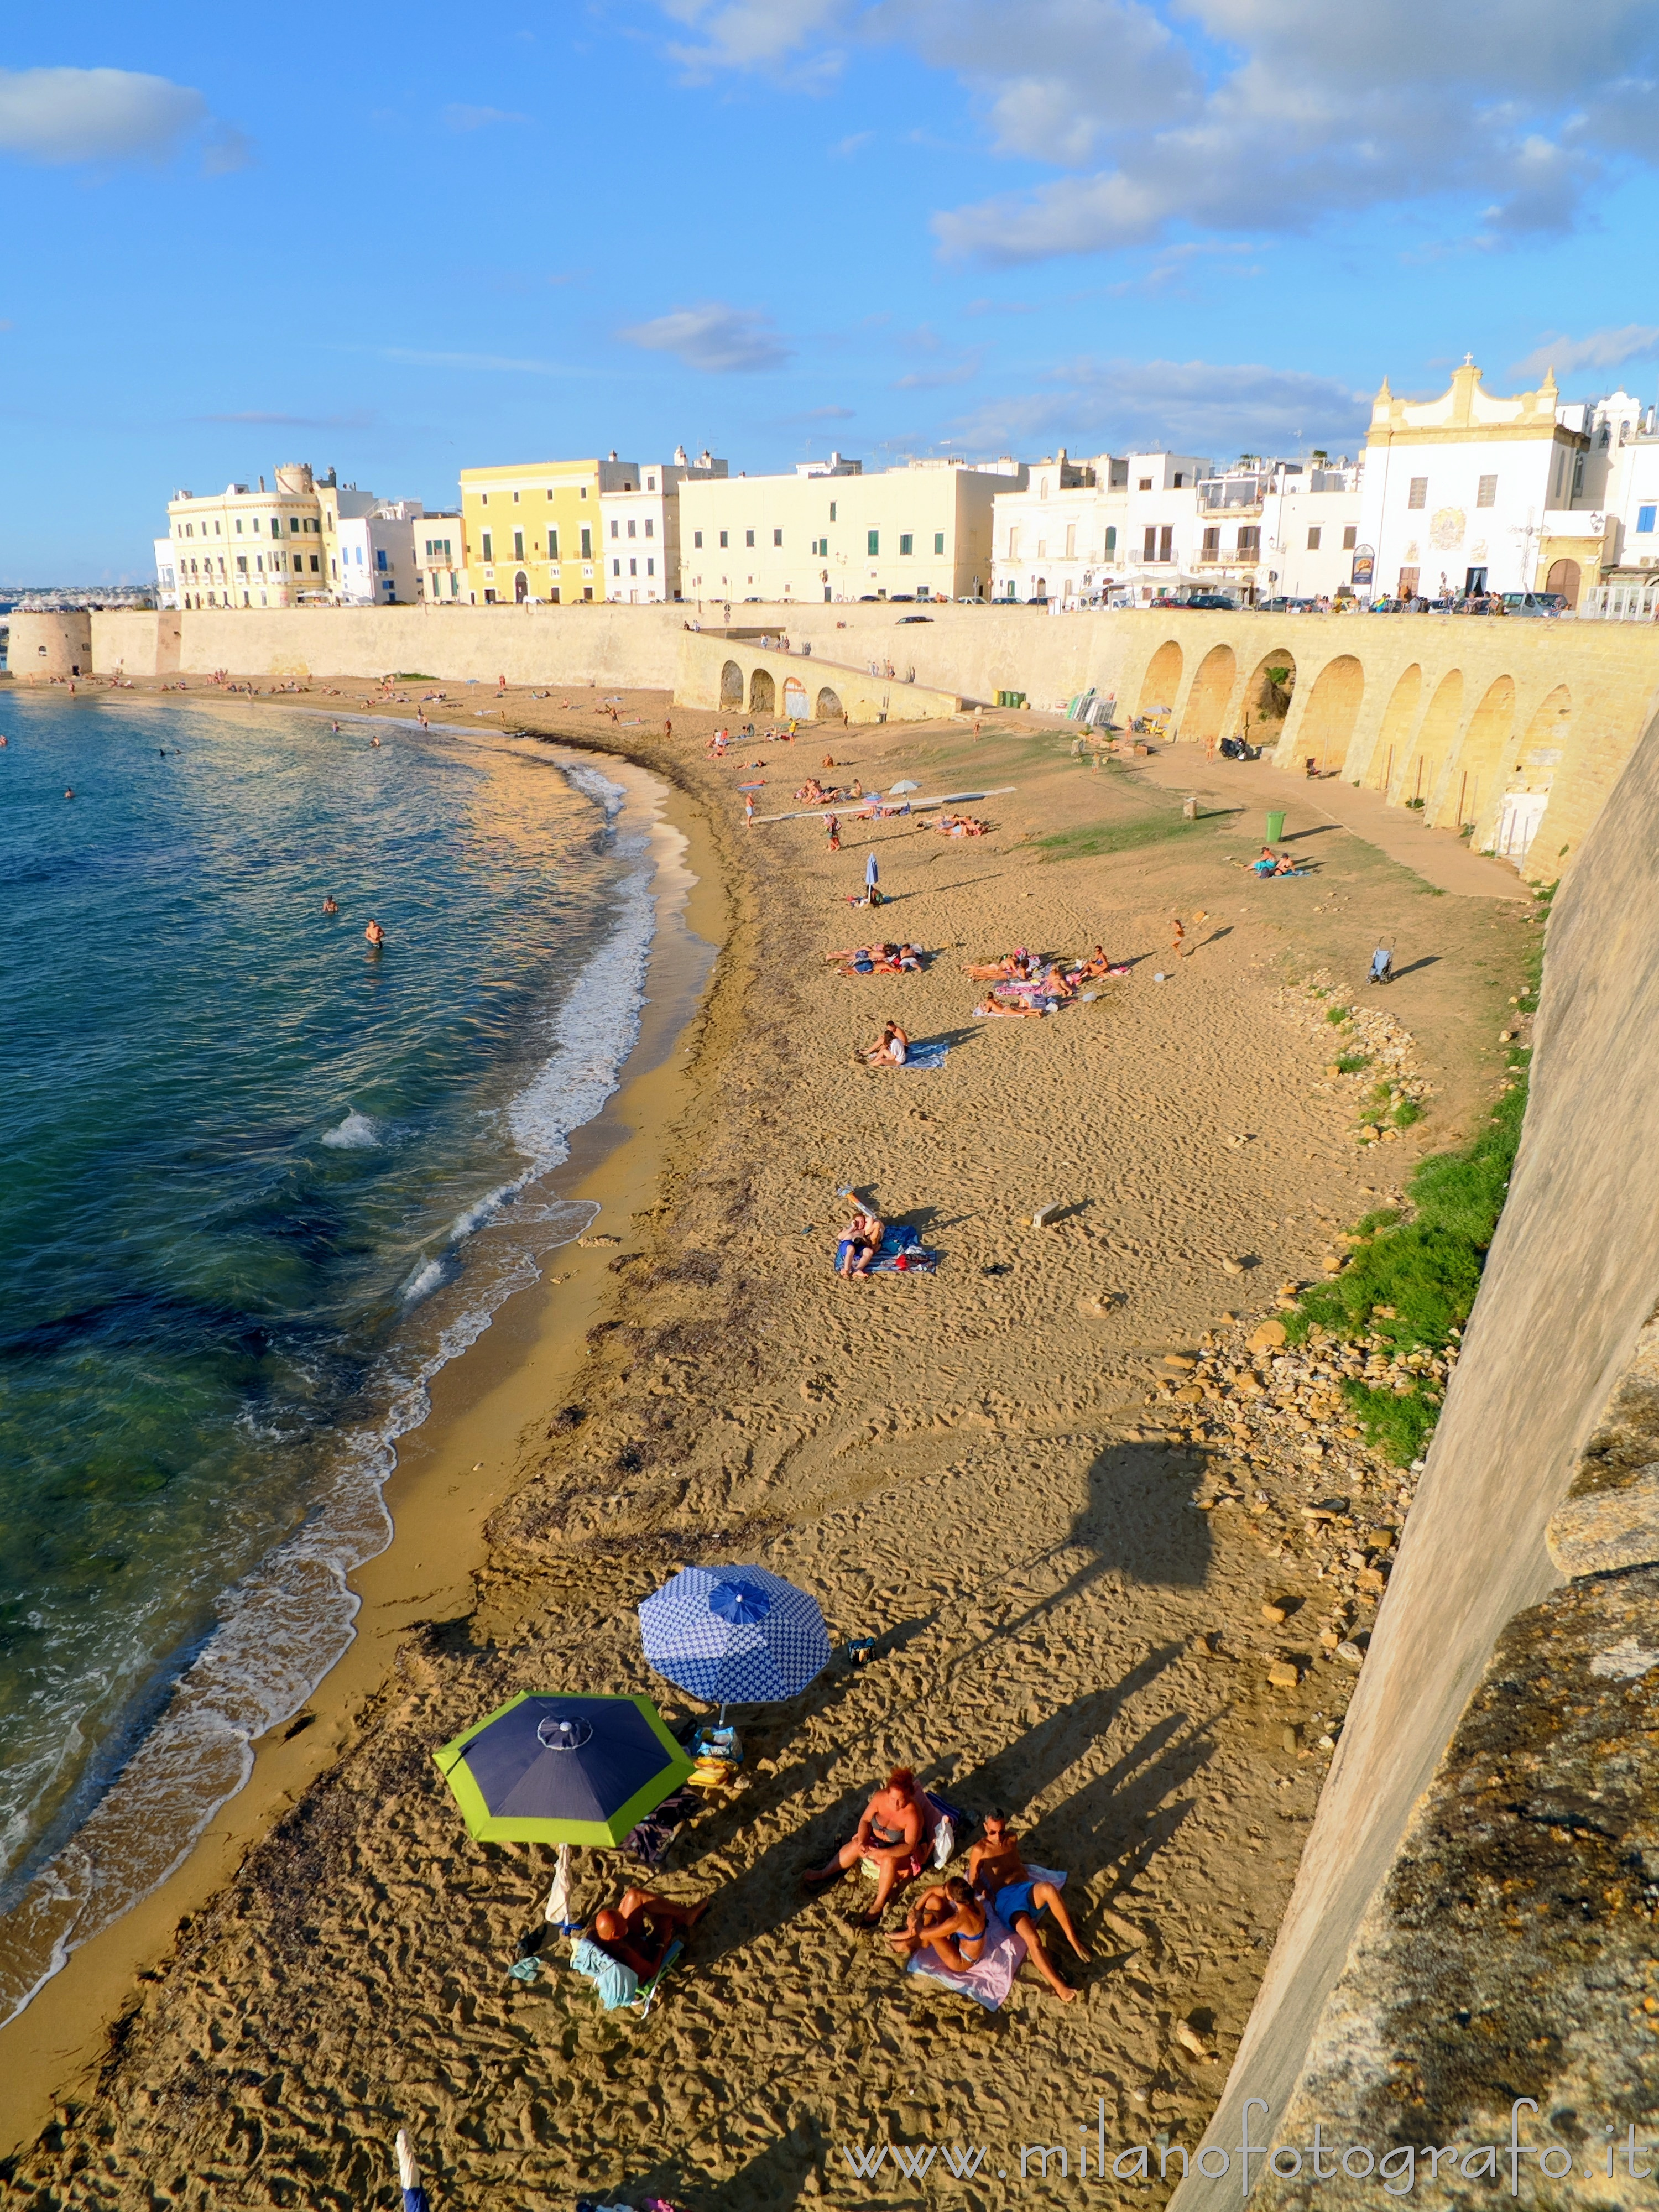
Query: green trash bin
{"points": [[1275, 827]]}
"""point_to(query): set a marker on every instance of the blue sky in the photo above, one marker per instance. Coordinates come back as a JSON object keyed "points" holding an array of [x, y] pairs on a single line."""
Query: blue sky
{"points": [[404, 242]]}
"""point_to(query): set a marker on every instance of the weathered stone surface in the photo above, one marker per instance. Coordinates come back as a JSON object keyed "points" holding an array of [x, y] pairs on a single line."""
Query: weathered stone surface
{"points": [[1270, 1334], [1511, 1951], [1606, 1529]]}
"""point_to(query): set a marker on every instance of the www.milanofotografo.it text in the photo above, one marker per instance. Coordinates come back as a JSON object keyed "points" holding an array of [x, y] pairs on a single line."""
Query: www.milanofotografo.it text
{"points": [[1602, 2154]]}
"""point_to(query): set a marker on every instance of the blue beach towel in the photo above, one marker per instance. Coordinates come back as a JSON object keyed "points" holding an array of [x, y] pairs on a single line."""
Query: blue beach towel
{"points": [[900, 1238], [931, 1054], [617, 1984]]}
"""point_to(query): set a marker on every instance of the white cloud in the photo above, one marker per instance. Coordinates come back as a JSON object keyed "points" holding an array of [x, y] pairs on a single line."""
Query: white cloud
{"points": [[1600, 349], [58, 115], [1499, 117], [1211, 409], [717, 340], [459, 117]]}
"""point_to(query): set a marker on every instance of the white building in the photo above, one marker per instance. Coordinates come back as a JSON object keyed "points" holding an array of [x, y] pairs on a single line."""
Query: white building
{"points": [[1469, 492], [640, 527], [1623, 475], [377, 553], [167, 574], [828, 531]]}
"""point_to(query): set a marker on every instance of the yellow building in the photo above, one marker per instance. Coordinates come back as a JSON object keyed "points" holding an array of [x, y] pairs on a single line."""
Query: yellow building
{"points": [[532, 531]]}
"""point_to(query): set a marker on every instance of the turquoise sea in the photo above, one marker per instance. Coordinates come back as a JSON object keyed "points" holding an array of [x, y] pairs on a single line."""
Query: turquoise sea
{"points": [[259, 1181]]}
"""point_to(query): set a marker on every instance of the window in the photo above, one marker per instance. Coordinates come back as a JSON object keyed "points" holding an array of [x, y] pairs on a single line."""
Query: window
{"points": [[552, 544], [633, 527], [615, 528], [650, 485], [1071, 541], [1486, 494], [515, 499], [748, 537], [1111, 540], [1420, 492], [650, 566], [1180, 480], [872, 543], [1013, 545], [518, 546], [1250, 540], [379, 558], [696, 538], [832, 510], [615, 567], [1149, 550], [777, 537], [633, 567], [1350, 537], [938, 541], [241, 564], [483, 499], [587, 595], [1145, 484], [723, 539], [239, 526], [1212, 542], [316, 565], [907, 544], [587, 544], [489, 546], [1314, 533], [1166, 542], [650, 527], [1644, 521]]}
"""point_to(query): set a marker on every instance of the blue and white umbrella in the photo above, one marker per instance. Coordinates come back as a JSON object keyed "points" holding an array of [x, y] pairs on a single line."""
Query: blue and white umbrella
{"points": [[735, 1635]]}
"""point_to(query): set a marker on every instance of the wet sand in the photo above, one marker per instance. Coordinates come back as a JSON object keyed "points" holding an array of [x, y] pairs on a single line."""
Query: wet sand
{"points": [[979, 1467]]}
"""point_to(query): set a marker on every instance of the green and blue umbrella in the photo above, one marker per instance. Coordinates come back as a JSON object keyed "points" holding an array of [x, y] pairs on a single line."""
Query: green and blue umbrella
{"points": [[545, 1769]]}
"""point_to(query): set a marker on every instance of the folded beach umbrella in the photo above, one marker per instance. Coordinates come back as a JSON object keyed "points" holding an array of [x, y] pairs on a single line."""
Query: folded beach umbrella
{"points": [[555, 1769], [735, 1636]]}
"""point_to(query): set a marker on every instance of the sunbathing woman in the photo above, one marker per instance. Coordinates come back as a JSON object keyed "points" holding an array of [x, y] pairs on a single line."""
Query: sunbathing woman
{"points": [[890, 1049], [639, 1929], [1014, 1010], [1004, 1883], [949, 1920], [1016, 962], [863, 1240]]}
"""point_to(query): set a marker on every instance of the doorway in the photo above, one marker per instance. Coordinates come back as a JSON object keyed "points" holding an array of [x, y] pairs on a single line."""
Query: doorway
{"points": [[1475, 582], [520, 589], [1565, 576]]}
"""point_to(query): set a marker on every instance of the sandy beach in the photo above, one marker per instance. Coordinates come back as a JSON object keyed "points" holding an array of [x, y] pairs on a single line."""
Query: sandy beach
{"points": [[1057, 1480]]}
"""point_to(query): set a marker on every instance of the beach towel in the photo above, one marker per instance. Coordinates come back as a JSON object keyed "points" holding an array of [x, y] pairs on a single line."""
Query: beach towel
{"points": [[617, 1984], [930, 1054], [900, 1241], [651, 1840], [990, 1977]]}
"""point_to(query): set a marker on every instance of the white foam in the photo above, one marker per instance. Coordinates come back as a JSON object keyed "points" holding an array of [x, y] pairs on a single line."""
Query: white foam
{"points": [[356, 1133]]}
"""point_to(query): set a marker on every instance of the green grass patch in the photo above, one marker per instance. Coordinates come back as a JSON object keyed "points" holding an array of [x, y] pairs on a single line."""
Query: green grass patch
{"points": [[1089, 840], [1352, 1063], [1337, 1015], [413, 676], [1412, 1282]]}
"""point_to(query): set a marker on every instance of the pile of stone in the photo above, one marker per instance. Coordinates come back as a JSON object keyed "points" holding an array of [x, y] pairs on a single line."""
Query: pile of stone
{"points": [[1390, 1077]]}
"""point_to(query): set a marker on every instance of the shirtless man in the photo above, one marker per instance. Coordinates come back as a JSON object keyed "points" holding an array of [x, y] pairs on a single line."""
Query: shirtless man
{"points": [[1004, 1883], [863, 1242], [375, 935], [639, 1930], [329, 905], [949, 1920], [893, 1834], [890, 1049]]}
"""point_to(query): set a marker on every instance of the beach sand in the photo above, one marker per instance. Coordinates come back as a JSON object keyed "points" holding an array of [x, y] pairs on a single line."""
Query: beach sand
{"points": [[1064, 1563]]}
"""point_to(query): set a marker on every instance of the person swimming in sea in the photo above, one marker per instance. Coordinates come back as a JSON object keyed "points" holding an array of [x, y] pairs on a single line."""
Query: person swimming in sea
{"points": [[375, 935], [329, 906]]}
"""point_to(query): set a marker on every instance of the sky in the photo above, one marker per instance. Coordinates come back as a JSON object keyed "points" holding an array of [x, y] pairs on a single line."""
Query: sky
{"points": [[404, 243]]}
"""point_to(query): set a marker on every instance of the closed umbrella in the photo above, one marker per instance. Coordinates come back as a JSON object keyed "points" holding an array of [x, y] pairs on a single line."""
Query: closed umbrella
{"points": [[543, 1769], [737, 1636]]}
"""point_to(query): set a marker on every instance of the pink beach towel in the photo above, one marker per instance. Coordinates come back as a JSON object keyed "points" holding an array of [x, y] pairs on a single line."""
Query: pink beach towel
{"points": [[991, 1977]]}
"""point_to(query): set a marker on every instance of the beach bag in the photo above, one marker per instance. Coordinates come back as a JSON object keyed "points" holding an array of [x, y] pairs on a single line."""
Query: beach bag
{"points": [[944, 1840]]}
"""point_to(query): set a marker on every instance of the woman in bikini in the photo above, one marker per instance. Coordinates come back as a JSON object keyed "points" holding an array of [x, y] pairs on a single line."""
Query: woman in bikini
{"points": [[949, 1920], [890, 1049], [1005, 1884]]}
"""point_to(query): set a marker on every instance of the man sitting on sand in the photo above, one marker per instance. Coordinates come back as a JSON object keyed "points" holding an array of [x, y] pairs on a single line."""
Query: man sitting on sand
{"points": [[639, 1929], [949, 1920], [863, 1242], [1004, 1883], [890, 1049], [893, 1835]]}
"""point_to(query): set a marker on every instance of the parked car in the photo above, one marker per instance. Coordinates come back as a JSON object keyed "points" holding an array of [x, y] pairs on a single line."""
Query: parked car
{"points": [[1288, 606], [1213, 600], [903, 619], [1535, 603]]}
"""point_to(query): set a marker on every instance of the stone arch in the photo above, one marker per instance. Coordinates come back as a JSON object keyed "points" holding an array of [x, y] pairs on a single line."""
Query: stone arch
{"points": [[1565, 577], [794, 698], [1040, 589], [1333, 708], [1432, 745], [1267, 696], [1479, 758], [1397, 719], [762, 692], [1207, 702], [731, 685], [1161, 684], [829, 705], [520, 589]]}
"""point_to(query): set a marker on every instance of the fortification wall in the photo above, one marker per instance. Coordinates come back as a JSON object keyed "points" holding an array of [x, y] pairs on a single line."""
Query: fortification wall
{"points": [[42, 647], [1571, 1278], [528, 645]]}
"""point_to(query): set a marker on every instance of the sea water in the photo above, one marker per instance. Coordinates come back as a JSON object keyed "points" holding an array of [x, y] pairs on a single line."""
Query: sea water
{"points": [[258, 1182]]}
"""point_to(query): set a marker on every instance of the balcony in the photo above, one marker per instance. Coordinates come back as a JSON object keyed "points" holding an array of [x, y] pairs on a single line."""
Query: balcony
{"points": [[1232, 558]]}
